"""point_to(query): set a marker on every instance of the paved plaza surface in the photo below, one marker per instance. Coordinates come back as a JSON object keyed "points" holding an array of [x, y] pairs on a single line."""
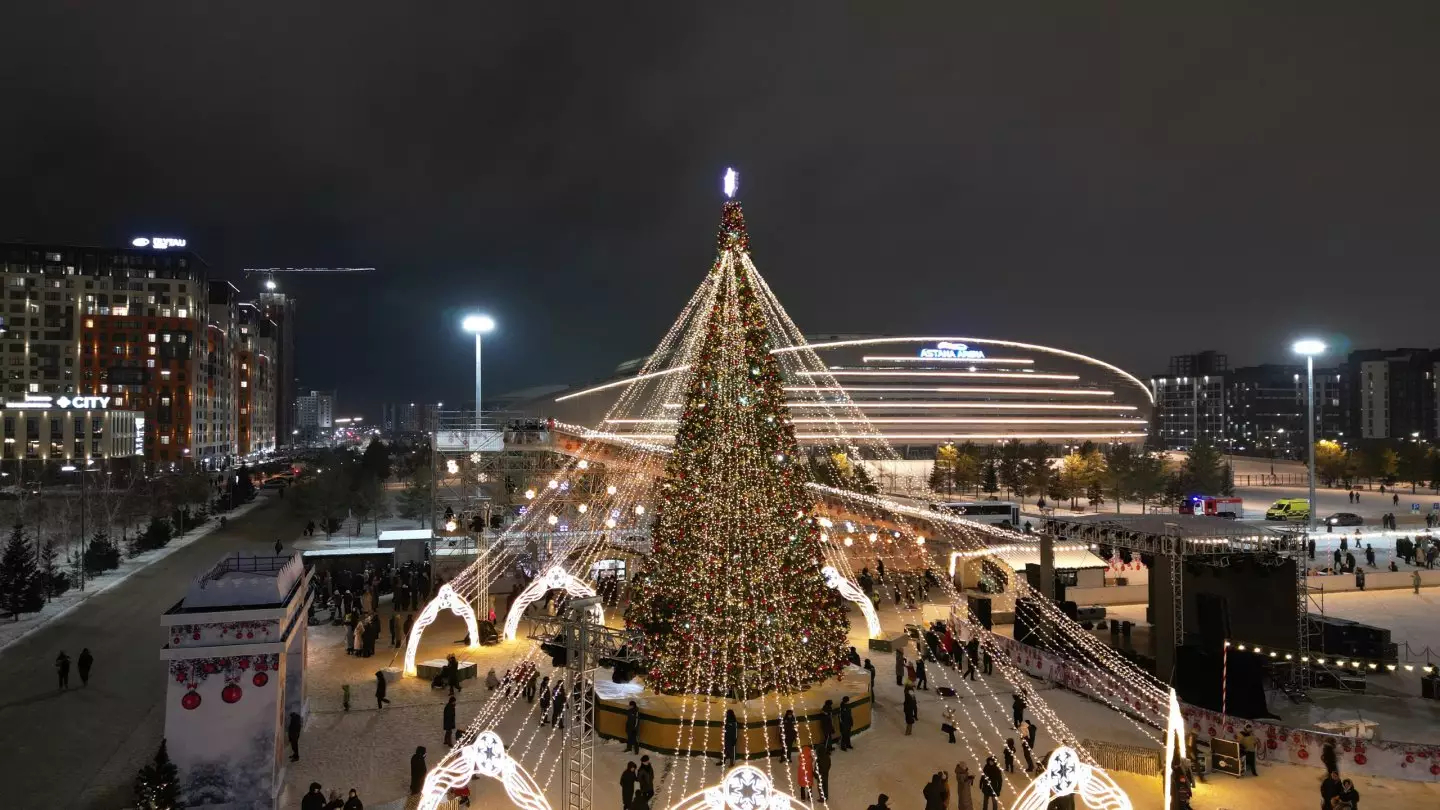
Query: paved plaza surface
{"points": [[369, 750], [81, 748]]}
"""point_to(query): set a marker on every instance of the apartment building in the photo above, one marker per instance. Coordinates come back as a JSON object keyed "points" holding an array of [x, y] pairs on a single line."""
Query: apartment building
{"points": [[255, 395]]}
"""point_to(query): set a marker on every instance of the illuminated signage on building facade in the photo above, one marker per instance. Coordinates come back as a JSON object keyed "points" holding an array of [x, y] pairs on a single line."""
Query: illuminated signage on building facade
{"points": [[158, 242], [945, 350]]}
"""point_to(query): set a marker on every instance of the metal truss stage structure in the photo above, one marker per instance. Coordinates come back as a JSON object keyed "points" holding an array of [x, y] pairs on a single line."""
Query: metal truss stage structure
{"points": [[1174, 540]]}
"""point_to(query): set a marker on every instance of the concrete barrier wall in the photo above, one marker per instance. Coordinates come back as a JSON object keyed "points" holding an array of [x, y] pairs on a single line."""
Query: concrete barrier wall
{"points": [[1375, 581]]}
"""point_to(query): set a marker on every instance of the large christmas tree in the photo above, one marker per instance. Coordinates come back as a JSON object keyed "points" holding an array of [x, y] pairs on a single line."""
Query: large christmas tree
{"points": [[732, 600]]}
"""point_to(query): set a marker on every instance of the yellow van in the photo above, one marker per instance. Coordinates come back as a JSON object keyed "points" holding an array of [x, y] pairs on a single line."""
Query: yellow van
{"points": [[1289, 509]]}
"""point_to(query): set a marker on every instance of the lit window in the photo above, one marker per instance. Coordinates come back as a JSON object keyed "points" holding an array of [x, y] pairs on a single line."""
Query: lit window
{"points": [[164, 439], [166, 337], [151, 337], [165, 374], [165, 312], [89, 323], [151, 300], [182, 313], [244, 384], [150, 363], [150, 350]]}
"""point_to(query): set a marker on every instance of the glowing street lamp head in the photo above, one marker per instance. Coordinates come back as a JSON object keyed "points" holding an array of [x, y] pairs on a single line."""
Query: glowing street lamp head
{"points": [[478, 323], [1309, 346], [732, 183], [270, 284]]}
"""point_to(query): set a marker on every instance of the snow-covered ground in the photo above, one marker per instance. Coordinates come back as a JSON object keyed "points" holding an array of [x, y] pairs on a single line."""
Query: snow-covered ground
{"points": [[12, 631], [370, 750]]}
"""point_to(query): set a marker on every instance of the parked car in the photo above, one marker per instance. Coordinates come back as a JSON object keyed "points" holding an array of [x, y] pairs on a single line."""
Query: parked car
{"points": [[1345, 519]]}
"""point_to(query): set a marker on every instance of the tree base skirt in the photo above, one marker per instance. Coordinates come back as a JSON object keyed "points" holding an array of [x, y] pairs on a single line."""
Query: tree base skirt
{"points": [[686, 724]]}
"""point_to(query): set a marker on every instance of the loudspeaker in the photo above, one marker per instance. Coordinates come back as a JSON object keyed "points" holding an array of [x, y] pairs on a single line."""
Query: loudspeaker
{"points": [[980, 606]]}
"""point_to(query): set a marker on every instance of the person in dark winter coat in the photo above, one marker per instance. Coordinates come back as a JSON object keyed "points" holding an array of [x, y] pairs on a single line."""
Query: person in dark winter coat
{"points": [[972, 654], [882, 803], [83, 663], [452, 673], [921, 682], [934, 794], [627, 786], [408, 626], [870, 668], [991, 782], [314, 799], [632, 728], [912, 710], [1017, 708], [899, 667], [854, 657], [1330, 788], [354, 803], [822, 771], [1349, 795], [1328, 757], [62, 668], [732, 736], [546, 693], [449, 720], [557, 707], [292, 732], [417, 770], [827, 724], [645, 787], [380, 687], [788, 732], [847, 723], [394, 630]]}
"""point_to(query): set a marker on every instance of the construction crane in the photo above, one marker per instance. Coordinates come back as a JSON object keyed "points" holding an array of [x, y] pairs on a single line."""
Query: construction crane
{"points": [[269, 272]]}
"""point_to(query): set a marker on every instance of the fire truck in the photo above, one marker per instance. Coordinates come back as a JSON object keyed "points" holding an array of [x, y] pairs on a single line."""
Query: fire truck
{"points": [[1231, 508]]}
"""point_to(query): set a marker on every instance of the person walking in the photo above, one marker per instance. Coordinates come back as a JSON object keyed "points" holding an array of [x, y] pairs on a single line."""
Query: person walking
{"points": [[870, 668], [627, 786], [417, 770], [806, 773], [632, 728], [991, 782], [1414, 582], [788, 732], [1009, 754], [62, 668], [557, 707], [394, 630], [822, 772], [972, 652], [1360, 579], [646, 787], [452, 673], [964, 781], [989, 664], [292, 733], [732, 736], [546, 694], [83, 664], [947, 723], [921, 681], [380, 687], [827, 725], [912, 710], [448, 721], [899, 667], [1017, 708], [1329, 758], [278, 548], [1369, 555], [847, 723]]}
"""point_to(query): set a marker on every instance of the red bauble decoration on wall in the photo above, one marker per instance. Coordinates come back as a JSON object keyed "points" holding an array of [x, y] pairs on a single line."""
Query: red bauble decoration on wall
{"points": [[260, 679], [231, 693], [191, 701], [195, 635], [1359, 759], [1303, 754], [1435, 770], [1271, 745]]}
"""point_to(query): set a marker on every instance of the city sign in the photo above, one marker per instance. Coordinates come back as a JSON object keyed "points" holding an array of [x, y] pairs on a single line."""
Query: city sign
{"points": [[158, 242], [946, 350], [43, 402]]}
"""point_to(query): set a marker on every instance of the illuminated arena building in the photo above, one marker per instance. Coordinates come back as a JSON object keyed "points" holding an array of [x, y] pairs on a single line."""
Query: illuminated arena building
{"points": [[920, 392]]}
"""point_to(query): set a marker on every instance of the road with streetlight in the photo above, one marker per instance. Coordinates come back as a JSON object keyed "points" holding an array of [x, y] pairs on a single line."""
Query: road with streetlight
{"points": [[97, 737]]}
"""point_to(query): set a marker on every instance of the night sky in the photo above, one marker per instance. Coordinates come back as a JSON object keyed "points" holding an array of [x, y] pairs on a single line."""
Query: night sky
{"points": [[1132, 183]]}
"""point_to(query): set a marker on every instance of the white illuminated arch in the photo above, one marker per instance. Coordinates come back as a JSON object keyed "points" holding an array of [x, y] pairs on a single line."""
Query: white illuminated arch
{"points": [[554, 577], [448, 599], [1174, 742], [485, 756], [743, 788], [1067, 775], [851, 591]]}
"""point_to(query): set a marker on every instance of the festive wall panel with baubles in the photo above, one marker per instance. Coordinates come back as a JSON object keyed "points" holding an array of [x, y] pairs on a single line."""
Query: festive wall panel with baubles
{"points": [[221, 725]]}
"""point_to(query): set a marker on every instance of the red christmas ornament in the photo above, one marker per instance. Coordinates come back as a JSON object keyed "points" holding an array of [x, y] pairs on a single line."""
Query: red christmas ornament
{"points": [[260, 679], [191, 701], [250, 635], [177, 639], [1303, 754], [1359, 759], [1435, 770], [1409, 757], [195, 635], [1271, 745], [231, 693], [244, 663]]}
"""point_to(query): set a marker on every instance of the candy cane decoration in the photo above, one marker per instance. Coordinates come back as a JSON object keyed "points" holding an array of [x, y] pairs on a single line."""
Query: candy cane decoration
{"points": [[448, 599], [485, 756], [555, 577], [851, 591]]}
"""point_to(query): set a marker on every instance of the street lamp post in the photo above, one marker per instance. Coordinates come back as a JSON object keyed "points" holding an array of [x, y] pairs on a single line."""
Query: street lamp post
{"points": [[84, 504], [1310, 348], [479, 325]]}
